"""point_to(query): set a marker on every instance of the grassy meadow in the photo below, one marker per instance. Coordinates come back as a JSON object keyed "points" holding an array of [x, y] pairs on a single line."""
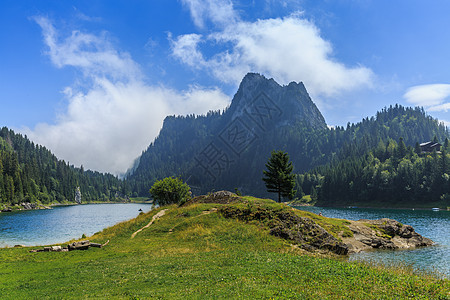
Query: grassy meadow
{"points": [[194, 252]]}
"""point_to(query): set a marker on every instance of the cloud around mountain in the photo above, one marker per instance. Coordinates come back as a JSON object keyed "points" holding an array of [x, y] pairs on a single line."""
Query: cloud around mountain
{"points": [[287, 49], [112, 113]]}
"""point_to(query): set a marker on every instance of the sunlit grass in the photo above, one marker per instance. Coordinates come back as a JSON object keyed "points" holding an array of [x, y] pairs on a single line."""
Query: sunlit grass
{"points": [[194, 252]]}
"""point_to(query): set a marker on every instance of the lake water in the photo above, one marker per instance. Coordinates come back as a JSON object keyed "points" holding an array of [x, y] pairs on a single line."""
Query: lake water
{"points": [[431, 224], [62, 223]]}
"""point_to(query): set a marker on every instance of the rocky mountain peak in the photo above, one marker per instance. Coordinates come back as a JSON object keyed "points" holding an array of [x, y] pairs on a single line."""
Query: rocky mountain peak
{"points": [[285, 105]]}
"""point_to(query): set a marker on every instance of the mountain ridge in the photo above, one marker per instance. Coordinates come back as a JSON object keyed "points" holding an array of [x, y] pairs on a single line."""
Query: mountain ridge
{"points": [[292, 100], [229, 149], [220, 150], [206, 150]]}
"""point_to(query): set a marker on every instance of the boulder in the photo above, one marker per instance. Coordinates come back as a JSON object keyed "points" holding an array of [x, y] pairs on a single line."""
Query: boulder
{"points": [[383, 234], [28, 206], [83, 245], [220, 197]]}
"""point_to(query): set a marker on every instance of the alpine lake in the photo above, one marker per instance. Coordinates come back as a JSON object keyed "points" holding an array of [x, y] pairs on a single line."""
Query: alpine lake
{"points": [[64, 223], [434, 225]]}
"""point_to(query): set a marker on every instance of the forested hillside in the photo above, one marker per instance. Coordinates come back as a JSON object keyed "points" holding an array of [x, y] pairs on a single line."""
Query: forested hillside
{"points": [[31, 173], [381, 171], [390, 175], [411, 124], [229, 149]]}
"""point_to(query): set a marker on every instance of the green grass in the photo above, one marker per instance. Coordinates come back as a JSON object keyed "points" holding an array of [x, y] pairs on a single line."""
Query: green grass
{"points": [[192, 254], [140, 199], [380, 231], [305, 200]]}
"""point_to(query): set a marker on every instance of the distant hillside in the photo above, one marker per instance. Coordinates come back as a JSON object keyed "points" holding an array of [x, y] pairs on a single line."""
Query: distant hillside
{"points": [[31, 173], [229, 149], [381, 164], [389, 175], [411, 124]]}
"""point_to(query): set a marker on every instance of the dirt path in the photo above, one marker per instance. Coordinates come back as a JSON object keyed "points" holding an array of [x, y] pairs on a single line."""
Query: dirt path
{"points": [[155, 217]]}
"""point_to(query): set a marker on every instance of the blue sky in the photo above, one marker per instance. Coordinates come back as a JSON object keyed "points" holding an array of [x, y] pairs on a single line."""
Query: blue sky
{"points": [[93, 80]]}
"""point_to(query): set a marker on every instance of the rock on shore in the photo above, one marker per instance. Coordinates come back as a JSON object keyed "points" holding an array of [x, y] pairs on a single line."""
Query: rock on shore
{"points": [[25, 206], [383, 234]]}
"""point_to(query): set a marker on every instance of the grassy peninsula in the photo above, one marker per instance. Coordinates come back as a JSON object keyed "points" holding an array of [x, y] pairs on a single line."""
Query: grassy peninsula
{"points": [[206, 250]]}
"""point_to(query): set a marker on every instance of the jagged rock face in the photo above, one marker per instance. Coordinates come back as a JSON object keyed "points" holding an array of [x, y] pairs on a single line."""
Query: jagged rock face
{"points": [[286, 105], [78, 195], [383, 234], [307, 234], [229, 150], [303, 232]]}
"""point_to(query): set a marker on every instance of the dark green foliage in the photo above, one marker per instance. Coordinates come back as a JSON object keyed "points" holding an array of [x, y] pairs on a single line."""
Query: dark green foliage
{"points": [[31, 173], [279, 177], [170, 191], [173, 151], [182, 139], [396, 177]]}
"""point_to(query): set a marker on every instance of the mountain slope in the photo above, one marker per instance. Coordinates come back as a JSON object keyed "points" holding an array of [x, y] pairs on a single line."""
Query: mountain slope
{"points": [[228, 150], [31, 173], [390, 175]]}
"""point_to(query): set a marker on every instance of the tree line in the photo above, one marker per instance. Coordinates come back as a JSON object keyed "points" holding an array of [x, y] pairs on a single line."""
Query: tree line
{"points": [[340, 157], [174, 151], [31, 173], [391, 174]]}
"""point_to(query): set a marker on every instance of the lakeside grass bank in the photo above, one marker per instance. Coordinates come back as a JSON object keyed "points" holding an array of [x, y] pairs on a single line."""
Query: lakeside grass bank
{"points": [[194, 252]]}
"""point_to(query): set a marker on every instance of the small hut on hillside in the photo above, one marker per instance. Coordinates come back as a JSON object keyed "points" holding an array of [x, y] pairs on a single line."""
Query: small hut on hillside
{"points": [[430, 147]]}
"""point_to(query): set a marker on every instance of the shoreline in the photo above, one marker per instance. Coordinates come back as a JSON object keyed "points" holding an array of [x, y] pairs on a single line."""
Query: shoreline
{"points": [[369, 207], [25, 206], [26, 244]]}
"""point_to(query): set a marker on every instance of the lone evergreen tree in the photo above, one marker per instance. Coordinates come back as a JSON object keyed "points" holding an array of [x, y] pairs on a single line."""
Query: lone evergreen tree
{"points": [[279, 177]]}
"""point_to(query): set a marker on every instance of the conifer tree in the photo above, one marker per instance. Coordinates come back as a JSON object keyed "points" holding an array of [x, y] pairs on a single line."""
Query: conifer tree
{"points": [[279, 177], [417, 148]]}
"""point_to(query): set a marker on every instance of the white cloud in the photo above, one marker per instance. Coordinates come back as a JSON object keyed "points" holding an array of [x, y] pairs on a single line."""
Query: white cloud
{"points": [[186, 48], [287, 49], [219, 12], [431, 96], [108, 123], [94, 55]]}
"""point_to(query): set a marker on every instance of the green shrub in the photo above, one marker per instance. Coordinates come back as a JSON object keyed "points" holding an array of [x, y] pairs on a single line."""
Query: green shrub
{"points": [[170, 191]]}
